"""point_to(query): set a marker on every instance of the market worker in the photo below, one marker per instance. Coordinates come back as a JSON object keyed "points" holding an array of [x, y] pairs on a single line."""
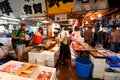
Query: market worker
{"points": [[19, 36], [38, 36], [114, 37], [64, 45]]}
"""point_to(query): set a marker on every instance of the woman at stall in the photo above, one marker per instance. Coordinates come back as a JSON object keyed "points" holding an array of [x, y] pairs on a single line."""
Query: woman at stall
{"points": [[64, 45], [38, 36]]}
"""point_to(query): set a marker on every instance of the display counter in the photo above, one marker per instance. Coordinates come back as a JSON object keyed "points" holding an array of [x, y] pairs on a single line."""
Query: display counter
{"points": [[82, 49], [87, 47], [28, 70]]}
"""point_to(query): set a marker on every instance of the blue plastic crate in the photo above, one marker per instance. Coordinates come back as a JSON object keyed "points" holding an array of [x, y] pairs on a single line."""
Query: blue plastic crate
{"points": [[1, 63], [83, 67], [113, 61]]}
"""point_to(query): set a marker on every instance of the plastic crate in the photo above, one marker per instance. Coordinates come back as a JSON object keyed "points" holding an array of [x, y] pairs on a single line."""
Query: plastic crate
{"points": [[83, 67], [113, 61], [1, 63]]}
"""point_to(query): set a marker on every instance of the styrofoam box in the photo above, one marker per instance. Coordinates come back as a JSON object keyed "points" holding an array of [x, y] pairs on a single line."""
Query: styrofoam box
{"points": [[98, 71], [14, 77], [46, 69], [99, 66], [49, 55], [36, 61], [50, 63], [50, 58], [111, 76], [37, 55], [98, 75], [33, 76], [97, 60], [7, 76], [37, 58], [57, 52]]}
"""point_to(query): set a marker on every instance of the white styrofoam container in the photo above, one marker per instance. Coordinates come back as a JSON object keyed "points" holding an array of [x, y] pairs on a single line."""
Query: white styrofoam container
{"points": [[37, 58], [45, 57], [99, 67], [50, 58], [111, 76], [50, 63], [36, 55], [98, 75], [49, 55], [33, 76], [97, 60], [98, 72], [46, 69], [57, 52], [7, 76]]}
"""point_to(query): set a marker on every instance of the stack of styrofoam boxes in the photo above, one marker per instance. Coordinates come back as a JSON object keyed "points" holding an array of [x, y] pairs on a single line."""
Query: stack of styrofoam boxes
{"points": [[37, 58], [99, 67]]}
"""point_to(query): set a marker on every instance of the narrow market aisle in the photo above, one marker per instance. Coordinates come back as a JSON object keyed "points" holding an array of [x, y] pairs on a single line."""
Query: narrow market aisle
{"points": [[68, 72]]}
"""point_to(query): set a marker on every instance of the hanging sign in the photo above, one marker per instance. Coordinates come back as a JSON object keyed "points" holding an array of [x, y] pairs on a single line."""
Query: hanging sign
{"points": [[34, 7], [59, 6], [60, 17], [80, 5], [3, 21], [23, 8]]}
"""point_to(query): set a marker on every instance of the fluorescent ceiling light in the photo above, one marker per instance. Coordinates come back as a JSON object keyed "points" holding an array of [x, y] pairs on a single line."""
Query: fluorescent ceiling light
{"points": [[12, 22], [9, 18]]}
